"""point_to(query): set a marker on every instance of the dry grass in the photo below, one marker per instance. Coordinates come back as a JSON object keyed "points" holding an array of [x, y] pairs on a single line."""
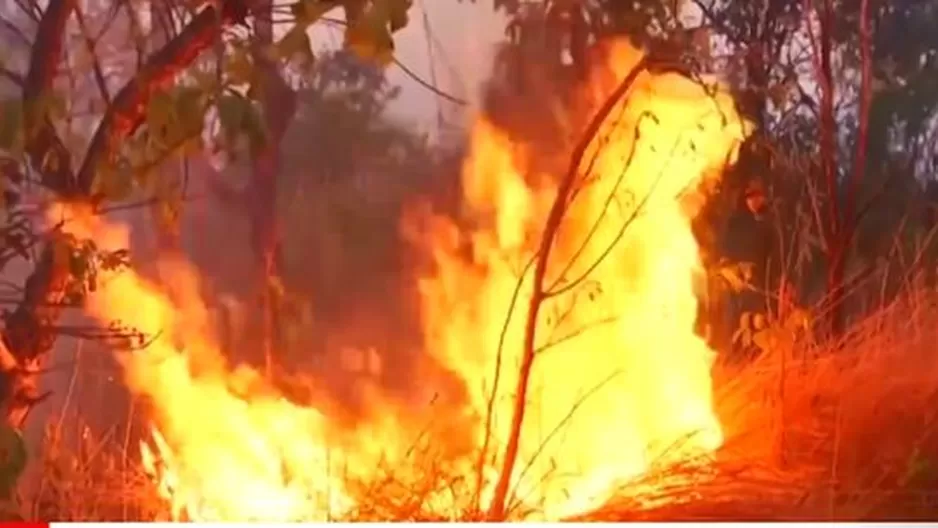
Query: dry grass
{"points": [[821, 431], [88, 477], [833, 431]]}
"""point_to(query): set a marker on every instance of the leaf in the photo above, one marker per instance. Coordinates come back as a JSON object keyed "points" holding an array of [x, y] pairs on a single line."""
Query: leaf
{"points": [[168, 210], [397, 14], [780, 93], [12, 460], [759, 322], [798, 319], [307, 12], [254, 129], [53, 105], [737, 276], [114, 182], [742, 336], [190, 104], [371, 42], [239, 67], [295, 46], [11, 125], [701, 39], [765, 340], [161, 116], [369, 32], [239, 118], [231, 110]]}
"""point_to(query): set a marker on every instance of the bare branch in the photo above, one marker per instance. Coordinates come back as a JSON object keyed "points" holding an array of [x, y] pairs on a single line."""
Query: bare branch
{"points": [[554, 218], [95, 63]]}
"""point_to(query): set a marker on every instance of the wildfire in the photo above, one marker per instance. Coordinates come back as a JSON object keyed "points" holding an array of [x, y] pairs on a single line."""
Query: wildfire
{"points": [[620, 378]]}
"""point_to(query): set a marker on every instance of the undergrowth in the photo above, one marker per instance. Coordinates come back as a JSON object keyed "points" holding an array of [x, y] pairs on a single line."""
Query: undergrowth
{"points": [[815, 430], [841, 430]]}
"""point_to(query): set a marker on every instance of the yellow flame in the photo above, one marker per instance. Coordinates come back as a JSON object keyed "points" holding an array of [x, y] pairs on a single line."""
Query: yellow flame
{"points": [[223, 449], [620, 378]]}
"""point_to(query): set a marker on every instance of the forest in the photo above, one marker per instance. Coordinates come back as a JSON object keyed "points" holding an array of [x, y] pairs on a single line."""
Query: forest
{"points": [[656, 260]]}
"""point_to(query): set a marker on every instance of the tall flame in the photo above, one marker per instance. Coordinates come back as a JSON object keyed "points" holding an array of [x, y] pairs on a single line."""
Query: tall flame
{"points": [[620, 378]]}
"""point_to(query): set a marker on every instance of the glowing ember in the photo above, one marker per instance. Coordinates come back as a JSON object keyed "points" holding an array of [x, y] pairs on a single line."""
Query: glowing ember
{"points": [[620, 378]]}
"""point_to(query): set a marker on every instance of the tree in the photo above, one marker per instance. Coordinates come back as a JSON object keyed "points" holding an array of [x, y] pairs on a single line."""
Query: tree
{"points": [[340, 213], [840, 109], [141, 124]]}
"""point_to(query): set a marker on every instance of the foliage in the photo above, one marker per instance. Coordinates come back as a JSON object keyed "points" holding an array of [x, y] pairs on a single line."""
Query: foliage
{"points": [[12, 465], [354, 201]]}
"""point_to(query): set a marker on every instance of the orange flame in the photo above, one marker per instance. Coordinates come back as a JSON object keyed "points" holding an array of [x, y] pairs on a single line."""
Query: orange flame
{"points": [[620, 380]]}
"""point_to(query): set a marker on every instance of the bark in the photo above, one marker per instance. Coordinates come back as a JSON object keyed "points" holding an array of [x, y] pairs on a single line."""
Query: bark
{"points": [[29, 333]]}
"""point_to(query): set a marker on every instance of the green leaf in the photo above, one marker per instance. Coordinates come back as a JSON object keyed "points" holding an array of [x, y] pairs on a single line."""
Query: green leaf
{"points": [[231, 111], [11, 125], [161, 117], [12, 460], [190, 105], [239, 67], [114, 183], [737, 276], [239, 118], [173, 117]]}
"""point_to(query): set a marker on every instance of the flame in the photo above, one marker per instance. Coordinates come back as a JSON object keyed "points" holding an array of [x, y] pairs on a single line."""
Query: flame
{"points": [[223, 448], [620, 381]]}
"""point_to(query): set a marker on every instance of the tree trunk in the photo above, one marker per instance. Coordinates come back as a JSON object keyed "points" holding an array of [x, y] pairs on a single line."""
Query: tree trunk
{"points": [[29, 332], [278, 102], [166, 217]]}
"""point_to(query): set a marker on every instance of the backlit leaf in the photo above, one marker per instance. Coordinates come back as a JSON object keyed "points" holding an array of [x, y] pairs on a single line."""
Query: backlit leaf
{"points": [[369, 33]]}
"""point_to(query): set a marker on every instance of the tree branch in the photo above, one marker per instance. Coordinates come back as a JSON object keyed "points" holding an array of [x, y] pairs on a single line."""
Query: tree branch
{"points": [[127, 112], [45, 150], [30, 330], [554, 219]]}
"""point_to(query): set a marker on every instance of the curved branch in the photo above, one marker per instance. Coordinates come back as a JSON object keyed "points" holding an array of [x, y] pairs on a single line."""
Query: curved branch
{"points": [[45, 150], [30, 330], [127, 112], [554, 219]]}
